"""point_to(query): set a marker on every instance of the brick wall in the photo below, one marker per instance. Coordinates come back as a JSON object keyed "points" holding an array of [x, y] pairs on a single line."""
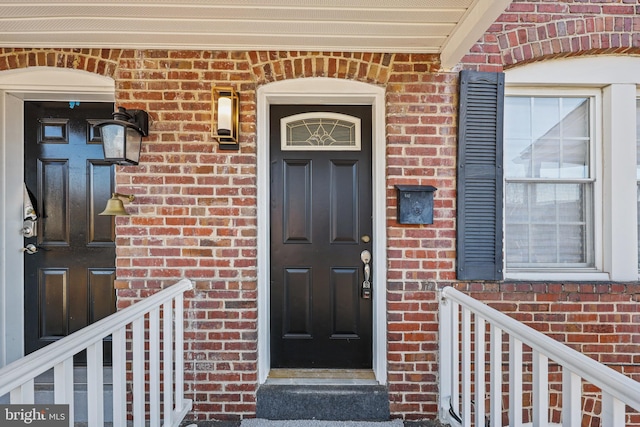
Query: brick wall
{"points": [[538, 30], [195, 209]]}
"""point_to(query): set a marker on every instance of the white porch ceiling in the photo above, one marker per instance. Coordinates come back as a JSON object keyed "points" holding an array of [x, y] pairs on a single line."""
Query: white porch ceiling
{"points": [[446, 27]]}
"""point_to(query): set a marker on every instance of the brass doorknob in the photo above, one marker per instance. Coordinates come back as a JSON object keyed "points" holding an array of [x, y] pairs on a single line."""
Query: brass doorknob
{"points": [[365, 239]]}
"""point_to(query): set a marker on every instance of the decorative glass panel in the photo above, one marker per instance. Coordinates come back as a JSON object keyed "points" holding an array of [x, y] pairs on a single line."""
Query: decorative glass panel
{"points": [[320, 131]]}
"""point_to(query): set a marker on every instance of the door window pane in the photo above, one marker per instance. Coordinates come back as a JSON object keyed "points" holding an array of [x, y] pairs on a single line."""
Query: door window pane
{"points": [[320, 131]]}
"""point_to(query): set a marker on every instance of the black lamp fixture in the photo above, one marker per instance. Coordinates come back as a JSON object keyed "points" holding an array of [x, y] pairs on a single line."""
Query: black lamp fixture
{"points": [[226, 117], [122, 136]]}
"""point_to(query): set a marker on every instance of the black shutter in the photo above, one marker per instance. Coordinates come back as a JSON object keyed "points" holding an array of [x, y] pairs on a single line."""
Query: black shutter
{"points": [[480, 118]]}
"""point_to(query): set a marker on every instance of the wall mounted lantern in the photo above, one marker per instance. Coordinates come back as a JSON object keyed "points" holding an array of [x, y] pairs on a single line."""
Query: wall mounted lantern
{"points": [[226, 117], [115, 205], [122, 136]]}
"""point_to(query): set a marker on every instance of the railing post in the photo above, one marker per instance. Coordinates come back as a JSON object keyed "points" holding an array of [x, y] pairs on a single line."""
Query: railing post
{"points": [[465, 413], [63, 385], [95, 385], [24, 394], [571, 399], [137, 348], [480, 370], [446, 356], [515, 381], [154, 367], [540, 389], [119, 369], [179, 339], [496, 377], [167, 356], [455, 356], [613, 412]]}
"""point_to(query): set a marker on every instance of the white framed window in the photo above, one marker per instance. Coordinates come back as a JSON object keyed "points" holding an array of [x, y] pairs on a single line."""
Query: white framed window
{"points": [[569, 215], [551, 180]]}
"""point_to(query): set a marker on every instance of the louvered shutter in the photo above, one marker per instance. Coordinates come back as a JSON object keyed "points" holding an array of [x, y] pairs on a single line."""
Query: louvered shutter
{"points": [[479, 231]]}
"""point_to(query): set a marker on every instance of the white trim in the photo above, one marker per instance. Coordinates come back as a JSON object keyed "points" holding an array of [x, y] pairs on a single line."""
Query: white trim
{"points": [[470, 29], [322, 90], [620, 185], [17, 86], [594, 71], [616, 79], [595, 176]]}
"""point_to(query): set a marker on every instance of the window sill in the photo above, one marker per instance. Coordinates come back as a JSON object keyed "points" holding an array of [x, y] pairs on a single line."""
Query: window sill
{"points": [[573, 276]]}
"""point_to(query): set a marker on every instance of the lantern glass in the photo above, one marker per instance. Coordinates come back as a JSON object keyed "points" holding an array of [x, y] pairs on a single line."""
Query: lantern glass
{"points": [[133, 144], [113, 141], [121, 144], [225, 118]]}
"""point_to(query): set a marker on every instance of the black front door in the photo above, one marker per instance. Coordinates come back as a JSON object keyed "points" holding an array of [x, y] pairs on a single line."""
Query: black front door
{"points": [[69, 280], [321, 221]]}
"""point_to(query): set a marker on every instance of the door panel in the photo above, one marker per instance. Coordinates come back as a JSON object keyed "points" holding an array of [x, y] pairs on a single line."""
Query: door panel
{"points": [[69, 280], [297, 303], [320, 208], [344, 201], [345, 303], [297, 201], [53, 288], [53, 191]]}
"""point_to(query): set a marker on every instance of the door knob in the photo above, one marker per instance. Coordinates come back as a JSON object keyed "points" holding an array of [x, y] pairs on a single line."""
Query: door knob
{"points": [[365, 256], [30, 249]]}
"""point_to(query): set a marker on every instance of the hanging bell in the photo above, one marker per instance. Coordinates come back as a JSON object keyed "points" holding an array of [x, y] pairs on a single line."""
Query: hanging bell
{"points": [[115, 205]]}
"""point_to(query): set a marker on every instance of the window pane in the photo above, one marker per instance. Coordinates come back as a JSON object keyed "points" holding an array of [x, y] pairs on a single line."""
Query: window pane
{"points": [[517, 117], [548, 225], [547, 137]]}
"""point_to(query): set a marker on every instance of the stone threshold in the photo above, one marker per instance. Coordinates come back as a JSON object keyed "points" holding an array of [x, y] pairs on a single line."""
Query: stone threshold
{"points": [[321, 377]]}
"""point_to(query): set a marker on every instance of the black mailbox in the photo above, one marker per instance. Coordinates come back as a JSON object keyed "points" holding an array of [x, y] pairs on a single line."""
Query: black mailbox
{"points": [[415, 204]]}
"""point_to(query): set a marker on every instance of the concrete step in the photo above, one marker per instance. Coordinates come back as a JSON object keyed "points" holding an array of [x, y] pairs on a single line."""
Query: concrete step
{"points": [[334, 402]]}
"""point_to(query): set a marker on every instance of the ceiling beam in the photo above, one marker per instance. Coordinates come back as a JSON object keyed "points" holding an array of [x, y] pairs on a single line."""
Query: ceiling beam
{"points": [[470, 28]]}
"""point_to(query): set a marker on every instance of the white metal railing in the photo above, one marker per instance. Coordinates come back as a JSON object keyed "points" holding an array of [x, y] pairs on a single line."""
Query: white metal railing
{"points": [[471, 394], [164, 389]]}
